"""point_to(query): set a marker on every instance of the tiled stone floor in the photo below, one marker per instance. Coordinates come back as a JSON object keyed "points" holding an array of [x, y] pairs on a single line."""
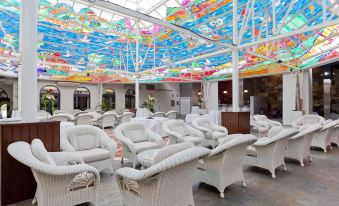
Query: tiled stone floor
{"points": [[315, 184]]}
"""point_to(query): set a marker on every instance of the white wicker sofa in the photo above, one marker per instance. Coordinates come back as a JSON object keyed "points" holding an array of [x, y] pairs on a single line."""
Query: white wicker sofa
{"points": [[264, 119], [211, 131], [179, 131], [299, 145], [322, 138], [61, 177], [308, 119], [166, 183], [91, 143], [269, 152], [223, 166], [135, 138]]}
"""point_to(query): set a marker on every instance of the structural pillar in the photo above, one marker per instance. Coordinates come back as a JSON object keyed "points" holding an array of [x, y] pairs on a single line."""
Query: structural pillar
{"points": [[307, 92], [235, 59], [235, 82], [28, 94], [137, 94]]}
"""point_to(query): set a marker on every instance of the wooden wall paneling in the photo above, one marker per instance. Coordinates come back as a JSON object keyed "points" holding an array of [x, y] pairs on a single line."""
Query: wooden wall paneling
{"points": [[17, 182]]}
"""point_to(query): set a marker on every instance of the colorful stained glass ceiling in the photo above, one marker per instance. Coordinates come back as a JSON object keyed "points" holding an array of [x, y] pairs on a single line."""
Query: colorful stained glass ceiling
{"points": [[82, 41]]}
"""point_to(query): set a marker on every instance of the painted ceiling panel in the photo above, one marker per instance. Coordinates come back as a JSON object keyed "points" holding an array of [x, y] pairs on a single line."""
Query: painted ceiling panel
{"points": [[79, 41]]}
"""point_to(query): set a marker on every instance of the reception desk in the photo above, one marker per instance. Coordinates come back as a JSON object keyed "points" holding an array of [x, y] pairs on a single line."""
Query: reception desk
{"points": [[236, 122], [16, 180]]}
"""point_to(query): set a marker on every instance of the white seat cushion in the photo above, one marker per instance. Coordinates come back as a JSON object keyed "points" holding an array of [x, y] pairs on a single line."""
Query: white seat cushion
{"points": [[93, 155], [195, 140], [142, 146]]}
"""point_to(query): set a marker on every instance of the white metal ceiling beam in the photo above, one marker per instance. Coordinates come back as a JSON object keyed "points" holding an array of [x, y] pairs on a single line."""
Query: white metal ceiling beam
{"points": [[204, 56], [288, 34], [157, 5], [125, 11]]}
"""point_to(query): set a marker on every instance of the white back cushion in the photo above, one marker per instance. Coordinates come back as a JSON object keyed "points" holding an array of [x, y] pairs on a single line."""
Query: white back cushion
{"points": [[205, 123], [179, 127], [39, 151], [84, 137], [136, 133], [170, 150]]}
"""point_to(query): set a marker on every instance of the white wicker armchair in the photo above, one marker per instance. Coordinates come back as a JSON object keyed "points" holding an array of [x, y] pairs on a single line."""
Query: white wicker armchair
{"points": [[335, 136], [158, 114], [166, 183], [322, 138], [135, 138], [299, 145], [108, 119], [264, 119], [172, 114], [62, 178], [211, 131], [61, 117], [223, 166], [125, 117], [308, 119], [179, 131], [259, 129], [269, 152], [91, 143], [83, 119]]}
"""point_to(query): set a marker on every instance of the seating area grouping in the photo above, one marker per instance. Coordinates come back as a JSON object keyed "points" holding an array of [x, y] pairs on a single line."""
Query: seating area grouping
{"points": [[164, 165]]}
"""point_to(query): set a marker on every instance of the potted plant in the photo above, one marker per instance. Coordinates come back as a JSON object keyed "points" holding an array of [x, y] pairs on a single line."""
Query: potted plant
{"points": [[48, 100], [150, 102]]}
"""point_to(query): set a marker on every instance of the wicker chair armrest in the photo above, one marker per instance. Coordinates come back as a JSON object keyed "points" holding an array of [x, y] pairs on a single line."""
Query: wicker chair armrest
{"points": [[66, 158], [220, 128], [194, 132], [173, 133], [128, 143], [154, 137], [109, 144]]}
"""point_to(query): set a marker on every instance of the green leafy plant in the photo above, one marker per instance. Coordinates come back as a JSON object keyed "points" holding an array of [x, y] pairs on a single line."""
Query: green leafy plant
{"points": [[48, 98], [150, 102]]}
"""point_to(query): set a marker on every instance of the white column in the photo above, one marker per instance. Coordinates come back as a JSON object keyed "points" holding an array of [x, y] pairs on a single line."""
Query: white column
{"points": [[101, 91], [28, 94], [15, 95], [289, 99], [307, 90], [137, 96], [235, 60], [235, 82]]}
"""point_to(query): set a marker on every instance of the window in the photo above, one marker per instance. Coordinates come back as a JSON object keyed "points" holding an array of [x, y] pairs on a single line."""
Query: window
{"points": [[81, 98], [130, 99], [108, 99], [49, 98], [4, 104]]}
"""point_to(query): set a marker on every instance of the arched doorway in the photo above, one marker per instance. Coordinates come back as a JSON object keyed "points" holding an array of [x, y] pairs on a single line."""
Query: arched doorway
{"points": [[82, 98], [49, 98], [108, 99], [130, 99]]}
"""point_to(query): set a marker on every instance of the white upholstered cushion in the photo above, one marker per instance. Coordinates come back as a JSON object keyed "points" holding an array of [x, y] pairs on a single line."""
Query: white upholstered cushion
{"points": [[84, 137], [39, 151], [136, 134], [142, 146], [170, 150], [93, 155], [179, 127], [219, 134]]}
